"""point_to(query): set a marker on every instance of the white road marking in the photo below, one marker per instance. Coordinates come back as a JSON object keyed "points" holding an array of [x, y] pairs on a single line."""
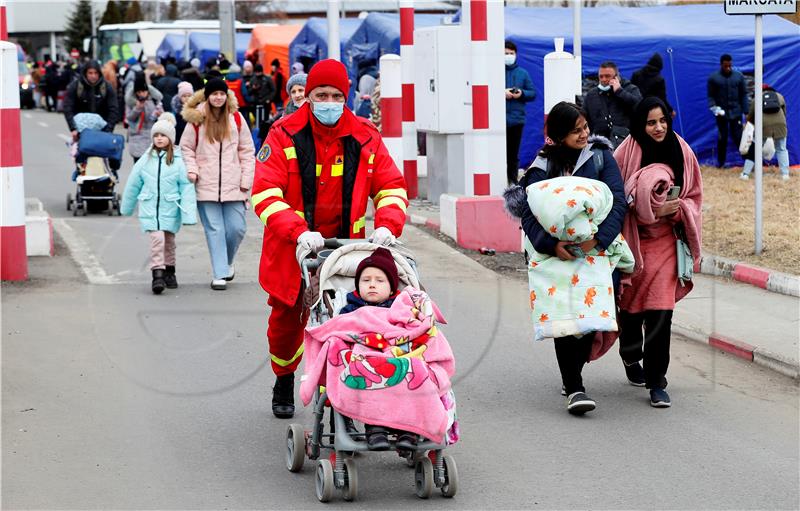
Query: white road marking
{"points": [[82, 254], [65, 138], [43, 124]]}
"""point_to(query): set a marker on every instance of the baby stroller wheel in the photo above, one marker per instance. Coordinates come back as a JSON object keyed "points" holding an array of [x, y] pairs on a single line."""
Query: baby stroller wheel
{"points": [[450, 486], [69, 202], [85, 207], [350, 489], [324, 480], [116, 204], [295, 447], [110, 207], [423, 478]]}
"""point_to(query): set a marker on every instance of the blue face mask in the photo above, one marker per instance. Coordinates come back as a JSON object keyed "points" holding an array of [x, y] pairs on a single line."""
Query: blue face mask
{"points": [[603, 88], [328, 113]]}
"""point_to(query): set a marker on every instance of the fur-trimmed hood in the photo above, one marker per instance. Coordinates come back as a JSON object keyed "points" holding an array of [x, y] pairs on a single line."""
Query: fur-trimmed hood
{"points": [[194, 111], [516, 199]]}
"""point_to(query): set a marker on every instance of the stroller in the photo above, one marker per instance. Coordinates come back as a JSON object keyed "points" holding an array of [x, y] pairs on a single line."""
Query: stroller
{"points": [[95, 181], [326, 287]]}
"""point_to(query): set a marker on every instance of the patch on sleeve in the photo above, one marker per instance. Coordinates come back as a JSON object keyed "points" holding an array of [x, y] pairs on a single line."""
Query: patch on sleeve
{"points": [[263, 154]]}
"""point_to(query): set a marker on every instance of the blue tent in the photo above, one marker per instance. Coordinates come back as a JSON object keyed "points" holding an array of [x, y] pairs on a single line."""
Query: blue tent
{"points": [[205, 45], [378, 35], [171, 46], [311, 43], [690, 39]]}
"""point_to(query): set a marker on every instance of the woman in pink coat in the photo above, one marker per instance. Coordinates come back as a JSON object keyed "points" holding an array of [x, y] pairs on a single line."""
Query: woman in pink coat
{"points": [[665, 192], [220, 160]]}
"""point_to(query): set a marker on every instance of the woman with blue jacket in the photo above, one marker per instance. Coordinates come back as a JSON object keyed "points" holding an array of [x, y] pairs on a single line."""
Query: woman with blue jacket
{"points": [[570, 151], [166, 200]]}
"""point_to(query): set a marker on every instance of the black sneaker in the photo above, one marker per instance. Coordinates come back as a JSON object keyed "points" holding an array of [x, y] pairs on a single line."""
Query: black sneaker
{"points": [[377, 439], [158, 283], [659, 398], [407, 441], [283, 397], [579, 403], [635, 374]]}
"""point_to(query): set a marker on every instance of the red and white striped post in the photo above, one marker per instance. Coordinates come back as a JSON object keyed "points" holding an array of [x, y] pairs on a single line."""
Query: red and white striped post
{"points": [[485, 153], [407, 75], [392, 107], [3, 23], [13, 259]]}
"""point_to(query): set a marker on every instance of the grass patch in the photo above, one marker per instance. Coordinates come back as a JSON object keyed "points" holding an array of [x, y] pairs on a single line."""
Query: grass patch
{"points": [[729, 218]]}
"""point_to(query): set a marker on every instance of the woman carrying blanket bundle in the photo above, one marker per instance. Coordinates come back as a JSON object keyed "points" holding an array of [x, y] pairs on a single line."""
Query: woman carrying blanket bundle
{"points": [[654, 161], [570, 151]]}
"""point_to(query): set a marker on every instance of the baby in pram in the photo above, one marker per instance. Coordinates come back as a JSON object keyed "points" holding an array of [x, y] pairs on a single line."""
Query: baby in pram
{"points": [[383, 360]]}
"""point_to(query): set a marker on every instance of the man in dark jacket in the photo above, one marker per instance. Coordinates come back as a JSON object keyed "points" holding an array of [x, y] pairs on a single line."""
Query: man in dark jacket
{"points": [[262, 92], [168, 85], [727, 99], [609, 106], [650, 82], [519, 90]]}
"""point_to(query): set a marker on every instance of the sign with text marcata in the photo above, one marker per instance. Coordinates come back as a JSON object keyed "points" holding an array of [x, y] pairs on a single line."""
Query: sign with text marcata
{"points": [[760, 6]]}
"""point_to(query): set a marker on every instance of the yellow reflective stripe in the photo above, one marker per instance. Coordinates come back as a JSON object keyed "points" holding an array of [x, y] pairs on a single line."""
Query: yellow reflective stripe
{"points": [[272, 208], [359, 224], [283, 363], [386, 201], [300, 214], [400, 192], [337, 170], [319, 169], [290, 152], [258, 198], [371, 159]]}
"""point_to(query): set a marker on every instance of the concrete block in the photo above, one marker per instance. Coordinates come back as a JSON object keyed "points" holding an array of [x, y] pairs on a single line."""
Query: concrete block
{"points": [[447, 214], [784, 283], [475, 222], [39, 234], [751, 275]]}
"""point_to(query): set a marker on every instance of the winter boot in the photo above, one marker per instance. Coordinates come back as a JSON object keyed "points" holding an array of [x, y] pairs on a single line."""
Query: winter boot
{"points": [[158, 282], [283, 397], [169, 277]]}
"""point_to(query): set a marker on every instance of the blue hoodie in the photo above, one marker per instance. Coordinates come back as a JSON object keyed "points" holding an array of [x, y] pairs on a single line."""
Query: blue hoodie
{"points": [[518, 78]]}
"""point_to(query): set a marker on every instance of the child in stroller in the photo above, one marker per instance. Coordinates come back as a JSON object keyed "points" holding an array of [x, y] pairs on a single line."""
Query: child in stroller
{"points": [[381, 361], [95, 180]]}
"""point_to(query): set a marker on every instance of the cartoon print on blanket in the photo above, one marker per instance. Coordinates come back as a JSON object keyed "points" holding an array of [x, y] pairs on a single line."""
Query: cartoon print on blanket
{"points": [[386, 366], [573, 297]]}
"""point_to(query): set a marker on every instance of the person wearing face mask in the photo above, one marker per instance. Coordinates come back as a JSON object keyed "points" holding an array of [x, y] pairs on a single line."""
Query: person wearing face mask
{"points": [[519, 90], [609, 106], [296, 87], [314, 175]]}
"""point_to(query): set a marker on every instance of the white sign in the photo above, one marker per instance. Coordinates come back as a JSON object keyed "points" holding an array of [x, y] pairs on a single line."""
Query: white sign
{"points": [[760, 6]]}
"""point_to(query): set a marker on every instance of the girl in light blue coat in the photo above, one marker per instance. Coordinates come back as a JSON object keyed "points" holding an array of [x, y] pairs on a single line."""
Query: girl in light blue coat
{"points": [[158, 182]]}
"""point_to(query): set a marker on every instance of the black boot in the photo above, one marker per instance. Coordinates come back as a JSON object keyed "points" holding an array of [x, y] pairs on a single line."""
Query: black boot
{"points": [[377, 438], [169, 277], [158, 282], [283, 397]]}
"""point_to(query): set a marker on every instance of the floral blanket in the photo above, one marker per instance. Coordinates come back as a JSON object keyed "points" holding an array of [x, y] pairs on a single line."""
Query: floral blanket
{"points": [[573, 297], [386, 366]]}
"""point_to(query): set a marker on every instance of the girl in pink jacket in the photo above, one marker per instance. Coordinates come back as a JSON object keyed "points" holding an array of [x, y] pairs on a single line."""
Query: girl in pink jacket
{"points": [[220, 160]]}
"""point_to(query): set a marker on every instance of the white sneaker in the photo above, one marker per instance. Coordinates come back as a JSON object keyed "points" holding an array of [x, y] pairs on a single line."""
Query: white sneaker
{"points": [[219, 284], [231, 274], [785, 177], [743, 176]]}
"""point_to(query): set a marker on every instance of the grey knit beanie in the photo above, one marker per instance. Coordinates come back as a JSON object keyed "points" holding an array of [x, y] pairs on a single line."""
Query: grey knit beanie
{"points": [[166, 126], [298, 79]]}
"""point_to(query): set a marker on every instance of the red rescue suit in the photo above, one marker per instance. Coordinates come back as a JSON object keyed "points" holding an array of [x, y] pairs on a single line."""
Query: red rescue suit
{"points": [[313, 177]]}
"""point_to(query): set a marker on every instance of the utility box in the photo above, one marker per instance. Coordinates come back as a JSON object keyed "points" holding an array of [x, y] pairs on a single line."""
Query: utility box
{"points": [[440, 83]]}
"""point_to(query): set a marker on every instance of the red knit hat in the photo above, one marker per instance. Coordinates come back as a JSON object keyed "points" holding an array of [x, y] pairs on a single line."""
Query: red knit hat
{"points": [[383, 260], [328, 72]]}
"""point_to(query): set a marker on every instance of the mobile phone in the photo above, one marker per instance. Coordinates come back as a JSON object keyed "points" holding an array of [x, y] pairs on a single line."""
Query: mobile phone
{"points": [[674, 192]]}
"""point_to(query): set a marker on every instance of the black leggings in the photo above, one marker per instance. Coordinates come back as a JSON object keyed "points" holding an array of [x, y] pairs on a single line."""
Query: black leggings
{"points": [[647, 335], [572, 353]]}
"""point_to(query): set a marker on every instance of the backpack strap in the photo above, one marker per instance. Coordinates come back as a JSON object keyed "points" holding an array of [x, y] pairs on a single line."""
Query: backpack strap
{"points": [[237, 118]]}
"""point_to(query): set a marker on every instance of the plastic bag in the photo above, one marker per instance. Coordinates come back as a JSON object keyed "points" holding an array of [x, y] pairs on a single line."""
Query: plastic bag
{"points": [[747, 138]]}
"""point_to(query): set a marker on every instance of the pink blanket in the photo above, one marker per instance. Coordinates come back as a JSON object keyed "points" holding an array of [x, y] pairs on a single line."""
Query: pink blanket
{"points": [[647, 188], [388, 367]]}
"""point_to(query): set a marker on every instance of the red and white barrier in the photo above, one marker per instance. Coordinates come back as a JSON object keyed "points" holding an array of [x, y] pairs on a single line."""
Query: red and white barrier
{"points": [[392, 107], [13, 261], [407, 76]]}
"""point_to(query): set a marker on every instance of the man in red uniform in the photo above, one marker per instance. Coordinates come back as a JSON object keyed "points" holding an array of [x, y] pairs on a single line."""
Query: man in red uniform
{"points": [[314, 175]]}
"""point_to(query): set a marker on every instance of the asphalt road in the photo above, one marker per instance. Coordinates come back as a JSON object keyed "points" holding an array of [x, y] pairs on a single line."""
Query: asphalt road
{"points": [[117, 399]]}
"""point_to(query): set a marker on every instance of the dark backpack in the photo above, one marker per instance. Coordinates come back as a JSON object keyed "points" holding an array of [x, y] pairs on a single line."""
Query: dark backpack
{"points": [[771, 102]]}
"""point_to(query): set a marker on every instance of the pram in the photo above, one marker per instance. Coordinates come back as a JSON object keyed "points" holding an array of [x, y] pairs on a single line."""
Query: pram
{"points": [[95, 181], [326, 284]]}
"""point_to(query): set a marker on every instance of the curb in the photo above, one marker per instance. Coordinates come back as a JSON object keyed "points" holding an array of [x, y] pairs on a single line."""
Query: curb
{"points": [[713, 265]]}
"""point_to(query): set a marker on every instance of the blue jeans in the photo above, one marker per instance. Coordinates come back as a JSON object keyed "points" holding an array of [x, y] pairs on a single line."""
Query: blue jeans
{"points": [[225, 225], [781, 152]]}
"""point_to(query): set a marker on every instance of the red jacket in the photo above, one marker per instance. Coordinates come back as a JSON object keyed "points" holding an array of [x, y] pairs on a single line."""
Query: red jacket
{"points": [[288, 183]]}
